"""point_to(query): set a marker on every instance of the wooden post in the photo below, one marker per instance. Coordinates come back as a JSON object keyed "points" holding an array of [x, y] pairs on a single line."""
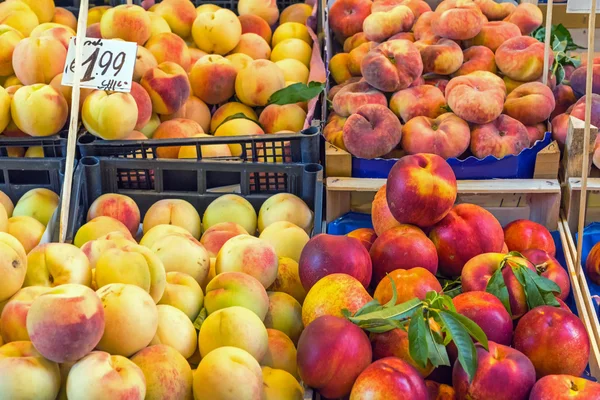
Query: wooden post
{"points": [[574, 148], [586, 134], [547, 44], [73, 123]]}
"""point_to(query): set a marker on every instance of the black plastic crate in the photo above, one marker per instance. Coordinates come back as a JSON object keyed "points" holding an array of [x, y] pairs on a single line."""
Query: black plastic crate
{"points": [[18, 176], [53, 146], [269, 148], [198, 182], [230, 4]]}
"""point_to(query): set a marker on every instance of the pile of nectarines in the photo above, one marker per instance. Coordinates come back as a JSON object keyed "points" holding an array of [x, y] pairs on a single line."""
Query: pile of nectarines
{"points": [[534, 353], [111, 317], [464, 79], [196, 68]]}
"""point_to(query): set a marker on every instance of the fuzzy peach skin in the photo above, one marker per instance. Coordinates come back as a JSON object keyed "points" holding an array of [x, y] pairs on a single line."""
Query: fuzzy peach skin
{"points": [[555, 340], [379, 26], [392, 65], [477, 58], [477, 97], [158, 25], [93, 31], [234, 326], [333, 131], [208, 151], [530, 103], [30, 103], [217, 32], [354, 41], [495, 11], [421, 189], [43, 9], [168, 87], [281, 353], [265, 9], [64, 17], [5, 118], [487, 311], [9, 39], [173, 129], [95, 14], [213, 79], [179, 14], [182, 253], [238, 127], [94, 248], [131, 319], [356, 56], [323, 349], [477, 272], [50, 29], [169, 47], [372, 131], [27, 230], [66, 322], [26, 374], [194, 109], [132, 264], [564, 97], [291, 30], [292, 48], [447, 136], [295, 13], [346, 17], [289, 117], [293, 70], [499, 138], [285, 207], [38, 203], [175, 329], [173, 212], [119, 207], [253, 46], [494, 34], [54, 264], [215, 237], [228, 373], [252, 23], [502, 361], [230, 208], [184, 293], [443, 57], [427, 101], [127, 22], [100, 375], [245, 253], [467, 231], [109, 115], [381, 216], [422, 28], [144, 61], [287, 239], [229, 109], [255, 84], [97, 228], [331, 294], [355, 95], [285, 315], [168, 374], [288, 279], [236, 289], [14, 314], [521, 58], [528, 17], [461, 22], [339, 67], [536, 132], [18, 15]]}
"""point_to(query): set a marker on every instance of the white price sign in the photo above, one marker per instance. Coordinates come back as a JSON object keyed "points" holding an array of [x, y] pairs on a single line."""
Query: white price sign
{"points": [[581, 6], [106, 64]]}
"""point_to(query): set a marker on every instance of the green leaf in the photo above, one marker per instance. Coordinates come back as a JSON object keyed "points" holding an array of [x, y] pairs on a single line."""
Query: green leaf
{"points": [[417, 339], [394, 298], [431, 296], [560, 74], [438, 355], [200, 318], [532, 293], [381, 325], [557, 44], [400, 311], [371, 306], [296, 93], [474, 330], [448, 303], [346, 313], [518, 273], [497, 287], [467, 355], [542, 282]]}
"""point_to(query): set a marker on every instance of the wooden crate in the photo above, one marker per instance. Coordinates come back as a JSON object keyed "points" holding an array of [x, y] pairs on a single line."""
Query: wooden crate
{"points": [[507, 199], [338, 162], [581, 293]]}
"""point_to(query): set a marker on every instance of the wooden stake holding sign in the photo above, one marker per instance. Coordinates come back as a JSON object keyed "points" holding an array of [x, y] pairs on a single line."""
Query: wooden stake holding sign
{"points": [[547, 43], [73, 122], [586, 133]]}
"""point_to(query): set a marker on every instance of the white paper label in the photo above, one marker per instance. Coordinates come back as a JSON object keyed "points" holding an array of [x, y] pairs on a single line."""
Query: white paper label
{"points": [[106, 64], [581, 6]]}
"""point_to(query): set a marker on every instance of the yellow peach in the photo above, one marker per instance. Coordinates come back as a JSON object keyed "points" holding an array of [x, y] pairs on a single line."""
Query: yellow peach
{"points": [[229, 109], [128, 22], [13, 265], [207, 8], [168, 87], [217, 32], [235, 256], [175, 329], [131, 319], [281, 353], [230, 208], [255, 84], [144, 61], [254, 46], [54, 264], [7, 203], [293, 70], [173, 212], [168, 46], [266, 9], [238, 127], [158, 24], [285, 207], [215, 237], [27, 230], [95, 14], [39, 110], [183, 292], [43, 9], [157, 232], [287, 239], [152, 125], [280, 384], [57, 31], [64, 17], [194, 109], [208, 151], [212, 79], [289, 117], [291, 30], [38, 203], [34, 152], [18, 15], [236, 289], [14, 313], [94, 248], [109, 115], [292, 48], [179, 14], [298, 12], [182, 253], [4, 109], [9, 39], [288, 280], [98, 227], [285, 315]]}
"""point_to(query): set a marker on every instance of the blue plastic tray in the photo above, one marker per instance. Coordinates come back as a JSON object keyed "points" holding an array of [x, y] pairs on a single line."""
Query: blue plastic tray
{"points": [[510, 167], [352, 220]]}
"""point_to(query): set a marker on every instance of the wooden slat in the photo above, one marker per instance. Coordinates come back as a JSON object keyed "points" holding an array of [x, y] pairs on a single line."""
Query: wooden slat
{"points": [[581, 294]]}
